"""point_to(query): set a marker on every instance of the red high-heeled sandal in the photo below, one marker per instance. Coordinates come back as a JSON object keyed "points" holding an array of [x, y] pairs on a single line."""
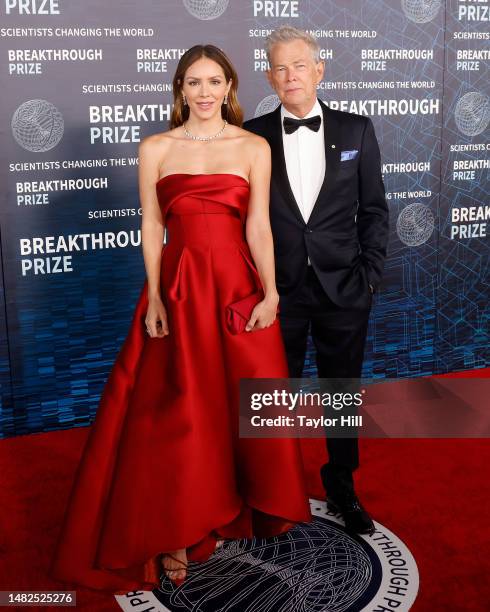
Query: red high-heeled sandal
{"points": [[167, 570]]}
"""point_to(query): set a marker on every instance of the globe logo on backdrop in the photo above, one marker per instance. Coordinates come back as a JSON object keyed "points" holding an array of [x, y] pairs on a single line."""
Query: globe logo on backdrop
{"points": [[313, 566], [267, 105], [472, 113], [421, 11], [206, 9], [415, 224], [37, 125]]}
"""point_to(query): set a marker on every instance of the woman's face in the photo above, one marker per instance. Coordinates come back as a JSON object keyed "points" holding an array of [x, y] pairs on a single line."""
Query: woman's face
{"points": [[205, 87]]}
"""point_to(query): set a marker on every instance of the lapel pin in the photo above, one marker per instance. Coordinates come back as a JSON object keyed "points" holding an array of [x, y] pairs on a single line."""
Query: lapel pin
{"points": [[333, 146]]}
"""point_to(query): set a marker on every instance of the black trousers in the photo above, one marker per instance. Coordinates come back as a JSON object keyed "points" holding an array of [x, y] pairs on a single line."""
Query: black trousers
{"points": [[339, 337]]}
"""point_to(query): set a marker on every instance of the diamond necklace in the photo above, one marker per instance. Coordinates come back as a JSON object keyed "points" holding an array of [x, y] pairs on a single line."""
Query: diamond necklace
{"points": [[189, 135]]}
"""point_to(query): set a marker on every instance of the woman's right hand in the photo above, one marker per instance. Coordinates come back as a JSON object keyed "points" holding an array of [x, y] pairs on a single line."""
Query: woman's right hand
{"points": [[156, 319]]}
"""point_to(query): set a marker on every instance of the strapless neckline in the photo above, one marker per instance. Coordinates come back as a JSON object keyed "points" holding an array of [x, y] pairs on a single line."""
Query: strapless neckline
{"points": [[203, 174]]}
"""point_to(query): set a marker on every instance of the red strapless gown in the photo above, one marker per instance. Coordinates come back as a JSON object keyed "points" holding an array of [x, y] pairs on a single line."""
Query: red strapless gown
{"points": [[163, 467]]}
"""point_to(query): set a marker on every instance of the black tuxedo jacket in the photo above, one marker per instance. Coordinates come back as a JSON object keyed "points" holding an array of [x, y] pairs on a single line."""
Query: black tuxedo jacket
{"points": [[347, 232]]}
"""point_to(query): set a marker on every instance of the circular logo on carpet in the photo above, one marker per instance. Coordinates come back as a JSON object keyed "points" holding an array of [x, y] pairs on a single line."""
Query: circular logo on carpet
{"points": [[314, 566]]}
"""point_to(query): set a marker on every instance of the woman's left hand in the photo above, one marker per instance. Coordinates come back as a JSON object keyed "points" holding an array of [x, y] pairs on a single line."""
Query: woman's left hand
{"points": [[264, 314]]}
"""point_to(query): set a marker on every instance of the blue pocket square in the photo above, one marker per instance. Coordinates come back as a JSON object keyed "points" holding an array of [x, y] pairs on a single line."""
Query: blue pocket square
{"points": [[347, 155]]}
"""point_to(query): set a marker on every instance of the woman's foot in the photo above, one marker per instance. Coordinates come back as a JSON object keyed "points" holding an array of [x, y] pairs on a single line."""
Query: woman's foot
{"points": [[175, 565]]}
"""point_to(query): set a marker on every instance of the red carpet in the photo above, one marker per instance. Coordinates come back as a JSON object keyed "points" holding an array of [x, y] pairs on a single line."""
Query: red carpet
{"points": [[433, 494]]}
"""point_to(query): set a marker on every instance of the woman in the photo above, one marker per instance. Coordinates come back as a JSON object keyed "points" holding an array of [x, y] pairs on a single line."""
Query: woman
{"points": [[164, 474]]}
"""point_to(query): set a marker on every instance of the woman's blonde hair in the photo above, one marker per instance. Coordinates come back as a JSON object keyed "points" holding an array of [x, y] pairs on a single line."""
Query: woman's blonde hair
{"points": [[231, 111]]}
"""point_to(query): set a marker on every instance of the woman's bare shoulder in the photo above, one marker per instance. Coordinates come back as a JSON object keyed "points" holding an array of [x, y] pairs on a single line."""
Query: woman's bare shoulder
{"points": [[160, 140], [153, 150], [258, 148], [253, 142]]}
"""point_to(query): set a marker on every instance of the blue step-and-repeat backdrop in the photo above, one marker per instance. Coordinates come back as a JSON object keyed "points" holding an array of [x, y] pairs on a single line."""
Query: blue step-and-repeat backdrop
{"points": [[83, 82]]}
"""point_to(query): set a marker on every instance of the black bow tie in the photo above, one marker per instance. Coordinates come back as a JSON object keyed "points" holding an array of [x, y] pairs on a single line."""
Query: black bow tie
{"points": [[291, 125]]}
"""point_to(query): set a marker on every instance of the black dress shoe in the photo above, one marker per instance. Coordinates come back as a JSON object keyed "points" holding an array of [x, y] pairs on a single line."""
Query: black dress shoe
{"points": [[356, 519]]}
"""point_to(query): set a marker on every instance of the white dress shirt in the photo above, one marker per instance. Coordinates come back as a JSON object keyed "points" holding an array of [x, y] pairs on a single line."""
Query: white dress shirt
{"points": [[304, 152]]}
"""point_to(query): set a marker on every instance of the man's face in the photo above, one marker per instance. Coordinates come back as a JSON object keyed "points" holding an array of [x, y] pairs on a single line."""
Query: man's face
{"points": [[294, 75]]}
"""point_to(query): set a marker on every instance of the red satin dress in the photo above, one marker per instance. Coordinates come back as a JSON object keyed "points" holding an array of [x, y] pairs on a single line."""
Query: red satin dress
{"points": [[163, 467]]}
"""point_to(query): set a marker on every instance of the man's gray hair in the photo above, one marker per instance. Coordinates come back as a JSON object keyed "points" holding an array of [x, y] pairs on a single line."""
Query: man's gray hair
{"points": [[287, 33]]}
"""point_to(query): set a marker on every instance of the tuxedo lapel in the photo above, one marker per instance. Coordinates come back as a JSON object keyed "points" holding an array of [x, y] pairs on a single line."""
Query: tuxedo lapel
{"points": [[331, 135], [279, 172]]}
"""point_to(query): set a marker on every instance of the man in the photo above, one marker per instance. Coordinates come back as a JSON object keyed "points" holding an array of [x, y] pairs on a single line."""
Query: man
{"points": [[329, 220]]}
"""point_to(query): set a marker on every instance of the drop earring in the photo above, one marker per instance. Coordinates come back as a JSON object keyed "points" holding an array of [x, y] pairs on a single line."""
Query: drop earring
{"points": [[225, 101], [184, 100]]}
